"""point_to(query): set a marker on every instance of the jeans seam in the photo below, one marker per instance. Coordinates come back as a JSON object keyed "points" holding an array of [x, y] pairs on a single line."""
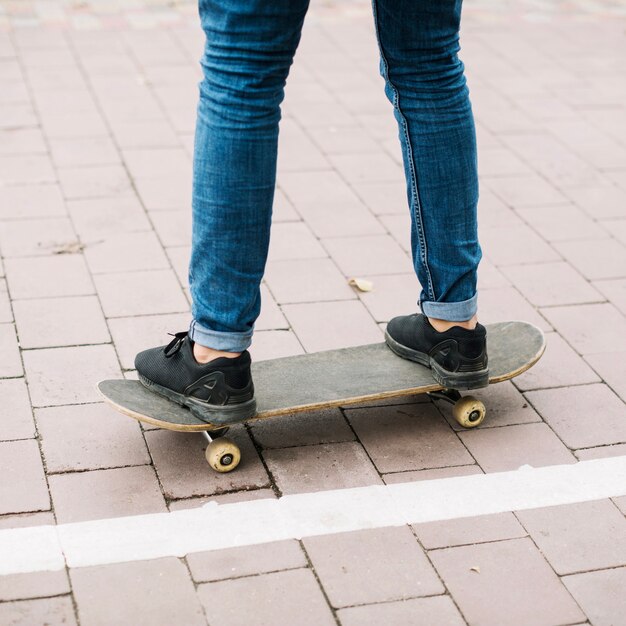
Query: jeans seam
{"points": [[413, 176]]}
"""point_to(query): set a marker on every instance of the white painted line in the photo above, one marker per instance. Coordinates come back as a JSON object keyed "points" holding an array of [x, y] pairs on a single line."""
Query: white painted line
{"points": [[214, 527]]}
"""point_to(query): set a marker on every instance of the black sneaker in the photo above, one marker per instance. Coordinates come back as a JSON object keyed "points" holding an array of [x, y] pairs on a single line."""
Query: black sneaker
{"points": [[457, 357], [219, 392]]}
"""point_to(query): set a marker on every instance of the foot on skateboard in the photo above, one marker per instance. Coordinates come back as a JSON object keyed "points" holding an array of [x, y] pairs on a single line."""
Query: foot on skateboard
{"points": [[310, 382]]}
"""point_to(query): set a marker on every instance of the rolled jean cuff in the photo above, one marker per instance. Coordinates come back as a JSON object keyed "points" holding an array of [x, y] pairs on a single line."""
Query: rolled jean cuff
{"points": [[451, 311], [228, 342]]}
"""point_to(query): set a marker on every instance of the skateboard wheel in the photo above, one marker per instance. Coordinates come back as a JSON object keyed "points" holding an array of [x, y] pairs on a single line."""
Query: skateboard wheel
{"points": [[223, 454], [469, 412]]}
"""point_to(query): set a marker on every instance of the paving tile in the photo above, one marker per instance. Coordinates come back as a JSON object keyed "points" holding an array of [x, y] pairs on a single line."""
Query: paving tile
{"points": [[94, 182], [599, 201], [11, 364], [225, 498], [158, 592], [101, 494], [407, 437], [291, 597], [550, 284], [143, 134], [558, 367], [64, 125], [26, 169], [17, 116], [601, 452], [506, 303], [26, 520], [296, 152], [294, 240], [302, 429], [173, 227], [28, 201], [399, 227], [612, 369], [183, 471], [32, 585], [364, 166], [383, 198], [23, 486], [48, 276], [321, 467], [614, 291], [343, 140], [564, 536], [562, 223], [351, 324], [271, 317], [515, 244], [133, 334], [89, 436], [68, 375], [393, 567], [468, 530], [510, 447], [438, 610], [582, 416], [306, 280], [83, 151], [140, 293], [245, 560], [52, 322], [50, 611], [597, 258], [589, 328], [274, 344], [96, 219], [371, 255], [283, 209], [127, 252], [35, 237], [16, 416], [431, 474], [525, 191], [514, 585], [6, 314], [505, 406], [501, 162], [600, 594], [155, 162], [15, 141], [395, 294], [164, 192]]}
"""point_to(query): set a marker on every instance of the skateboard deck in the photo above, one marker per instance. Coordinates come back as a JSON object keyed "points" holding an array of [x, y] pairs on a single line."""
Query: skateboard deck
{"points": [[342, 377]]}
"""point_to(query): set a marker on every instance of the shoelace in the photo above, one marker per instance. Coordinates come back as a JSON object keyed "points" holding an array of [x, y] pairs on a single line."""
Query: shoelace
{"points": [[174, 346]]}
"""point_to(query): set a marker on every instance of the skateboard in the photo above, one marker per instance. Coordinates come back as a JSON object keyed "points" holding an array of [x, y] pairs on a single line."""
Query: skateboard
{"points": [[332, 378]]}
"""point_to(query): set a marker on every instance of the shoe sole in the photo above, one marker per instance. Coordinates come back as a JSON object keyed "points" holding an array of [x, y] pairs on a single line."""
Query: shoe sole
{"points": [[222, 415], [448, 380]]}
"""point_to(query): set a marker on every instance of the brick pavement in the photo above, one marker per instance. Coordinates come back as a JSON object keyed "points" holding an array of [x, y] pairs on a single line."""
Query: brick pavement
{"points": [[96, 120]]}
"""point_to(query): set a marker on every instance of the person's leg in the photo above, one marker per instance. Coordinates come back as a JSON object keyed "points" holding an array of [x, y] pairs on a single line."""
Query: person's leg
{"points": [[419, 41], [250, 45]]}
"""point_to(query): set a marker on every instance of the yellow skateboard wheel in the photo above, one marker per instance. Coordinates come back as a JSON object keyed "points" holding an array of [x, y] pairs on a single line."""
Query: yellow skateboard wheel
{"points": [[469, 412], [223, 455]]}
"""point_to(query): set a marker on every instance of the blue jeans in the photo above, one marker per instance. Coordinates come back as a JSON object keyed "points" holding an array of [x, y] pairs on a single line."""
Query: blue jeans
{"points": [[250, 45]]}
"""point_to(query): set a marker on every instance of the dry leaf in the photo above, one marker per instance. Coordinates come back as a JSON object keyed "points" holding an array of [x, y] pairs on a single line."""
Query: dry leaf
{"points": [[73, 247], [475, 569], [361, 284]]}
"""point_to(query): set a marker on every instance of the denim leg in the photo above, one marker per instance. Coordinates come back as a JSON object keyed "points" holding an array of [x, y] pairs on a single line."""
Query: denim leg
{"points": [[419, 41], [250, 45]]}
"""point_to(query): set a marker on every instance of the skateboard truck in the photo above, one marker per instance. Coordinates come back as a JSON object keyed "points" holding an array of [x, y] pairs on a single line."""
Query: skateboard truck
{"points": [[222, 453], [468, 411]]}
